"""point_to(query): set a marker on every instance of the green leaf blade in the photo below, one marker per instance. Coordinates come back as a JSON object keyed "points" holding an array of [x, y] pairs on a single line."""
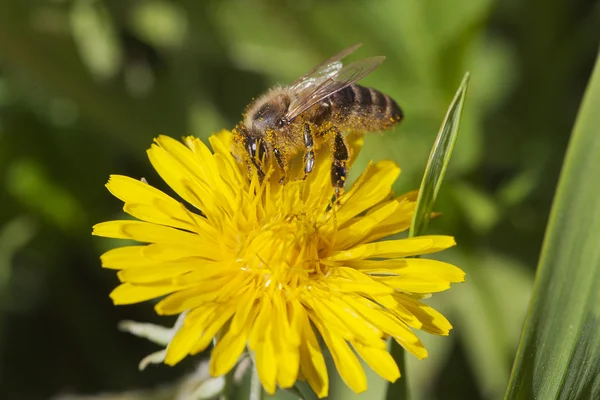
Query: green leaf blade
{"points": [[559, 352], [438, 161], [430, 186]]}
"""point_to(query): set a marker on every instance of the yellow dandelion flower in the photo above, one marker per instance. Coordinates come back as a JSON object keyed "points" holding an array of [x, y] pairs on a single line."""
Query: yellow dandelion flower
{"points": [[270, 268]]}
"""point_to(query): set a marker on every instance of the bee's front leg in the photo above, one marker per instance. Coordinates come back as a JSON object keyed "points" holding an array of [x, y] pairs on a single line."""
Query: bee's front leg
{"points": [[257, 153], [282, 163], [341, 155], [309, 152]]}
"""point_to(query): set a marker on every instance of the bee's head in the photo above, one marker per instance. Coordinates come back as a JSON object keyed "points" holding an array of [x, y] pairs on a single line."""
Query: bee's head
{"points": [[268, 113]]}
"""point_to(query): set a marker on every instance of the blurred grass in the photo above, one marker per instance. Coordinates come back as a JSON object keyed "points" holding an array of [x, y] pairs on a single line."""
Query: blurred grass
{"points": [[559, 352], [86, 84], [433, 176]]}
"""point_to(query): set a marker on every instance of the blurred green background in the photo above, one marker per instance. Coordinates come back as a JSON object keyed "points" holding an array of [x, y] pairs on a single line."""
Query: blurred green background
{"points": [[85, 85]]}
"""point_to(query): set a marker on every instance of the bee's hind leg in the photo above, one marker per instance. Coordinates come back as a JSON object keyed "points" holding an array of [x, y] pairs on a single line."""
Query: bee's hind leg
{"points": [[309, 152], [341, 155]]}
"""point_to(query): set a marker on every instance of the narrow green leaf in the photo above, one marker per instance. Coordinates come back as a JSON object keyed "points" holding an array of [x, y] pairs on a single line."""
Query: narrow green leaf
{"points": [[399, 389], [430, 186], [559, 352], [438, 161]]}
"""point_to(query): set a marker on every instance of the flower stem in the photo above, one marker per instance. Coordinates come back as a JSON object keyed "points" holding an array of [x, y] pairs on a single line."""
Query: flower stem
{"points": [[227, 388], [256, 389], [398, 390]]}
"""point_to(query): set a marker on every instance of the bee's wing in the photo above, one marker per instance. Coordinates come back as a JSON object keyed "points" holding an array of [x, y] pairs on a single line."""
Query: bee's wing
{"points": [[325, 69], [310, 95]]}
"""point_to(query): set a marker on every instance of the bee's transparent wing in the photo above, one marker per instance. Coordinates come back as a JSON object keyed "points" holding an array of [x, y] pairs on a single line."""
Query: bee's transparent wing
{"points": [[346, 76], [323, 71], [316, 78]]}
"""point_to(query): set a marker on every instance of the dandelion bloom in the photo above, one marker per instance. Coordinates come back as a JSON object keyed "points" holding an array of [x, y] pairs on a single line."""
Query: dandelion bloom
{"points": [[272, 267]]}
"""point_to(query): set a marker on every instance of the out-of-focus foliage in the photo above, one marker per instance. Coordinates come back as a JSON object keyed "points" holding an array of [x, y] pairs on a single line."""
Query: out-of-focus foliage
{"points": [[86, 84], [559, 352]]}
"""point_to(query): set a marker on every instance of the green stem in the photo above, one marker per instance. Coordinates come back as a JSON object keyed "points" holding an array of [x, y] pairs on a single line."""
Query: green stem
{"points": [[256, 389], [398, 390], [226, 392]]}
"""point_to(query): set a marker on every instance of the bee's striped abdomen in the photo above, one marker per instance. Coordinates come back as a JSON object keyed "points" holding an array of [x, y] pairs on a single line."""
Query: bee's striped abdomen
{"points": [[375, 110]]}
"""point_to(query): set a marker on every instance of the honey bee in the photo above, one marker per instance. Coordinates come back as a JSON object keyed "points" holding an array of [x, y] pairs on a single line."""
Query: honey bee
{"points": [[312, 112]]}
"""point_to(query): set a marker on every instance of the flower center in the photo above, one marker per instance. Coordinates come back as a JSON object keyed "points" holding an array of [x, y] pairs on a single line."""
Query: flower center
{"points": [[285, 252]]}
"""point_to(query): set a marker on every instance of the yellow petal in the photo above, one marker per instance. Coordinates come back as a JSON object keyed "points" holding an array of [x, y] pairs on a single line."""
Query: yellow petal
{"points": [[246, 312], [345, 361], [199, 293], [183, 300], [398, 222], [214, 172], [417, 275], [171, 252], [417, 285], [127, 257], [288, 363], [395, 248], [200, 160], [281, 320], [261, 323], [285, 344], [356, 142], [228, 167], [200, 163], [149, 204], [144, 232], [126, 293], [362, 226], [373, 186], [381, 318], [183, 181], [297, 317], [318, 191], [433, 321], [344, 321], [211, 328], [195, 158], [392, 306], [227, 352], [266, 362], [349, 280], [379, 360], [230, 347], [411, 343], [411, 268], [312, 362], [187, 336], [205, 270], [151, 233], [409, 196], [157, 273]]}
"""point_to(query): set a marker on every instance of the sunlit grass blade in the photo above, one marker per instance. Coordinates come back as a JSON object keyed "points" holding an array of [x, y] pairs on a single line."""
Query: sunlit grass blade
{"points": [[438, 161], [559, 352], [430, 185]]}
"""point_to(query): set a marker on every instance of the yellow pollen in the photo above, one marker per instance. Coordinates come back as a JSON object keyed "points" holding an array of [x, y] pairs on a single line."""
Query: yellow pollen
{"points": [[285, 253]]}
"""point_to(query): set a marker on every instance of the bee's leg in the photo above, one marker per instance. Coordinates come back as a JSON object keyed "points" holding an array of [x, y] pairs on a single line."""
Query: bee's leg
{"points": [[309, 153], [282, 163], [341, 155], [257, 152]]}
